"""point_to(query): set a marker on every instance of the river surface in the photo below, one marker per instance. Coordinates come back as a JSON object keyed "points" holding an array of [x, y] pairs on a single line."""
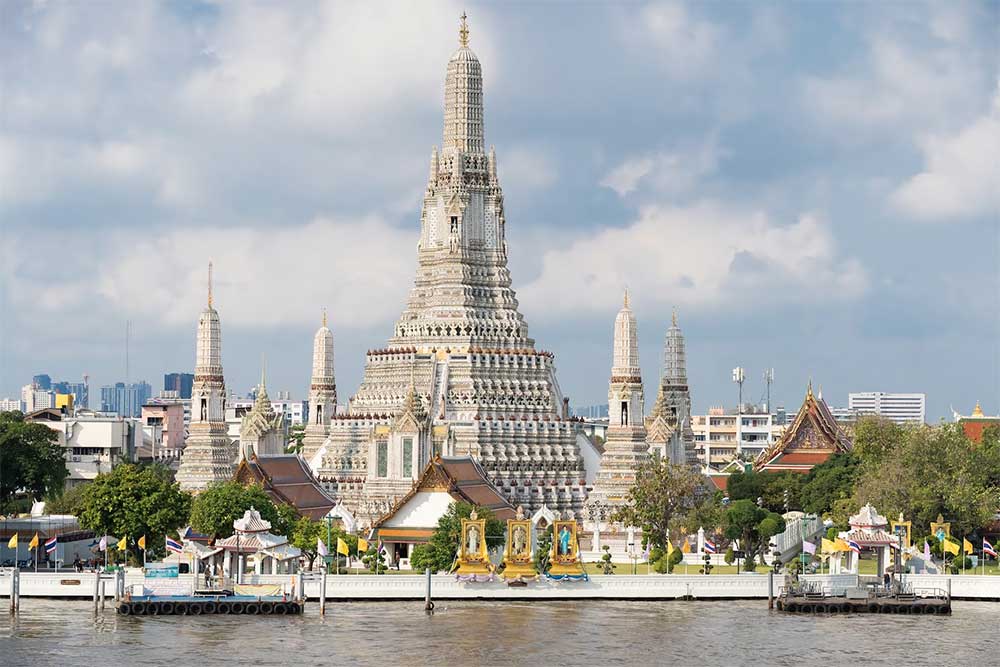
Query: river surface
{"points": [[58, 632]]}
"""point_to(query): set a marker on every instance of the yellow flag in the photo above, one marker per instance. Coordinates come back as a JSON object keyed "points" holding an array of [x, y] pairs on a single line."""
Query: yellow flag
{"points": [[33, 544], [342, 547], [670, 547], [122, 544], [949, 546], [827, 546], [966, 546], [12, 542], [362, 545], [142, 542], [685, 547], [842, 545]]}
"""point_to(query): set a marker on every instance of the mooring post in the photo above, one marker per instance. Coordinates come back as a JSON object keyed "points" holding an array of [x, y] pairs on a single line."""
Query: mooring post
{"points": [[103, 585], [97, 590], [15, 590], [428, 603], [949, 590], [770, 589], [322, 594]]}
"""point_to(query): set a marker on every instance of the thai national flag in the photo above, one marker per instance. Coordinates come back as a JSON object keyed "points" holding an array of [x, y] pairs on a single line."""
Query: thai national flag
{"points": [[710, 546], [855, 547], [174, 545], [50, 544], [988, 549]]}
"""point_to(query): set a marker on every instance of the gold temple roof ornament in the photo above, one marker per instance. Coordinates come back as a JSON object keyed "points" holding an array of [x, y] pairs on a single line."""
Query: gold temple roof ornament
{"points": [[463, 31]]}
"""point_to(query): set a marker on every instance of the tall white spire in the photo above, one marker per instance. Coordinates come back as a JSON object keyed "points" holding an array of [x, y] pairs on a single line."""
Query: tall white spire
{"points": [[463, 99], [626, 348], [208, 455], [322, 390]]}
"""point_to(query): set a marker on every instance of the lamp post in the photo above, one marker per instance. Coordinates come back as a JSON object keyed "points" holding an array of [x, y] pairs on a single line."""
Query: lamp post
{"points": [[738, 377]]}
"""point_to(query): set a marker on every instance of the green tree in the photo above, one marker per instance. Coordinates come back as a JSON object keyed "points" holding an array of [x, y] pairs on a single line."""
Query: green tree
{"points": [[663, 496], [748, 485], [132, 501], [439, 553], [753, 526], [67, 502], [829, 482], [374, 559], [543, 550], [215, 509], [304, 536], [296, 438], [607, 567], [31, 460], [876, 438]]}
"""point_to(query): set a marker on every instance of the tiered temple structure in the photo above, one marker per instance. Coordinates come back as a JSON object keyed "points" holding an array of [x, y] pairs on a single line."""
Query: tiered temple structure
{"points": [[262, 432], [460, 350], [209, 455], [625, 447], [812, 438], [322, 392], [668, 426]]}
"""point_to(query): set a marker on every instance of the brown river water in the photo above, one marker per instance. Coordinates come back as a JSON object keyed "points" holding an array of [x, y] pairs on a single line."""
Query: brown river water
{"points": [[57, 632]]}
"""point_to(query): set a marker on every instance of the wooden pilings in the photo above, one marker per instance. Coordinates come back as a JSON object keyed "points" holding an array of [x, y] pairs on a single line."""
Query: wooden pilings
{"points": [[15, 590]]}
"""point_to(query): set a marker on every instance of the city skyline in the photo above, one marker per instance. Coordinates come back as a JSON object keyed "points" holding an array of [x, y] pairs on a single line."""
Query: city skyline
{"points": [[827, 236]]}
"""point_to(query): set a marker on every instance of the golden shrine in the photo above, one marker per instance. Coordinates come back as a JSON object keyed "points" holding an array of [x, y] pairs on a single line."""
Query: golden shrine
{"points": [[473, 558], [565, 551], [518, 554], [907, 526]]}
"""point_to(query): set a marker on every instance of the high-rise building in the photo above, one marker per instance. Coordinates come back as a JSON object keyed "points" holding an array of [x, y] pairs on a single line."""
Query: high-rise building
{"points": [[460, 375], [79, 390], [179, 382], [36, 398], [11, 405], [209, 455], [125, 400], [42, 381], [899, 408]]}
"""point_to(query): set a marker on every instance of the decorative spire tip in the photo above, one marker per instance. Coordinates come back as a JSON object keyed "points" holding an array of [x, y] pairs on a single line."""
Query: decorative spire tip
{"points": [[673, 316], [463, 31], [626, 301], [324, 316], [209, 283]]}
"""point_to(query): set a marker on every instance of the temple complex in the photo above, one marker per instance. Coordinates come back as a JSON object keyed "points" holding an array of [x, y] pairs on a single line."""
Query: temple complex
{"points": [[209, 454], [262, 432], [975, 424], [668, 427], [322, 391], [288, 481], [811, 439], [460, 375]]}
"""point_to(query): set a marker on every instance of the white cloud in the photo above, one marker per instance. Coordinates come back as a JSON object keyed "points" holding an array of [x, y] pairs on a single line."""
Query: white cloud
{"points": [[667, 172], [961, 175], [685, 45], [704, 255], [359, 269], [524, 168]]}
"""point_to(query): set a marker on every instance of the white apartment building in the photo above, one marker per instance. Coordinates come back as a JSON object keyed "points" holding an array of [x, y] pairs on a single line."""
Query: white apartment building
{"points": [[35, 398], [94, 443], [723, 434], [899, 408], [295, 412], [11, 405]]}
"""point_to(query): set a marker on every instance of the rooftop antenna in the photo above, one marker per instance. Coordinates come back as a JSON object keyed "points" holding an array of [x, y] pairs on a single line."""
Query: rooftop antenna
{"points": [[768, 379]]}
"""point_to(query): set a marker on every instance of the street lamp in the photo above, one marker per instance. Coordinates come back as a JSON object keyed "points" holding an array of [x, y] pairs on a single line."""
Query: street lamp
{"points": [[738, 377]]}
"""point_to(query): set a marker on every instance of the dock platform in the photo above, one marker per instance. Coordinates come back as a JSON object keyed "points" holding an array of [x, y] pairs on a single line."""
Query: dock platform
{"points": [[196, 605]]}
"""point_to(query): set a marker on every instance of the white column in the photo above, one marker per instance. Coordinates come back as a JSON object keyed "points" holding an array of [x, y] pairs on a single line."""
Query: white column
{"points": [[701, 540]]}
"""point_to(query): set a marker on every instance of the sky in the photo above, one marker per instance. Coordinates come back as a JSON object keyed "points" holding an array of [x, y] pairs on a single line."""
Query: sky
{"points": [[813, 186]]}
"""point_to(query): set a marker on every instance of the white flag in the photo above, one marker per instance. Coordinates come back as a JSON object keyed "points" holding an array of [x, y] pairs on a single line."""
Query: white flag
{"points": [[321, 548], [103, 546], [808, 547]]}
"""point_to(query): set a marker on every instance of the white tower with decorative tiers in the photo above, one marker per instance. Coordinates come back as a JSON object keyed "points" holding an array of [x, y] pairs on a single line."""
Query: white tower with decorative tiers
{"points": [[669, 424], [322, 391], [625, 447], [208, 455], [460, 349]]}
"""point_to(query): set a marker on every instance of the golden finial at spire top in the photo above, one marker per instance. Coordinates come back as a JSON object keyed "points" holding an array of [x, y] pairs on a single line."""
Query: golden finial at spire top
{"points": [[324, 316], [673, 316], [626, 298], [209, 283], [978, 410], [809, 393], [463, 32]]}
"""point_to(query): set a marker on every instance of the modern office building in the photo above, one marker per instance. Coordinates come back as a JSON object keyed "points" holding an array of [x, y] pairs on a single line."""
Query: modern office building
{"points": [[36, 398], [899, 408], [93, 443], [42, 381], [125, 400], [11, 405], [79, 390], [179, 382]]}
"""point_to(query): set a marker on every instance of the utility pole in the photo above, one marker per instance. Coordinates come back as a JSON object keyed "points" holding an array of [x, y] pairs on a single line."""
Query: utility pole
{"points": [[738, 377], [768, 379]]}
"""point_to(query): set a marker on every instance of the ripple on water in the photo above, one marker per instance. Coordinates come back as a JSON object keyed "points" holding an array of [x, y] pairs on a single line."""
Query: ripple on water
{"points": [[55, 632]]}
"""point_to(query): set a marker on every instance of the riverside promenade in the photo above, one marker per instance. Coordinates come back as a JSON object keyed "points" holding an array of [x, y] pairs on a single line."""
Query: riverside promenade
{"points": [[344, 588]]}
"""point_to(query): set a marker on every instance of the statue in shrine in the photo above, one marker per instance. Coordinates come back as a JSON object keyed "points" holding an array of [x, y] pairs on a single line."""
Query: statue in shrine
{"points": [[518, 562], [565, 552], [473, 558]]}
